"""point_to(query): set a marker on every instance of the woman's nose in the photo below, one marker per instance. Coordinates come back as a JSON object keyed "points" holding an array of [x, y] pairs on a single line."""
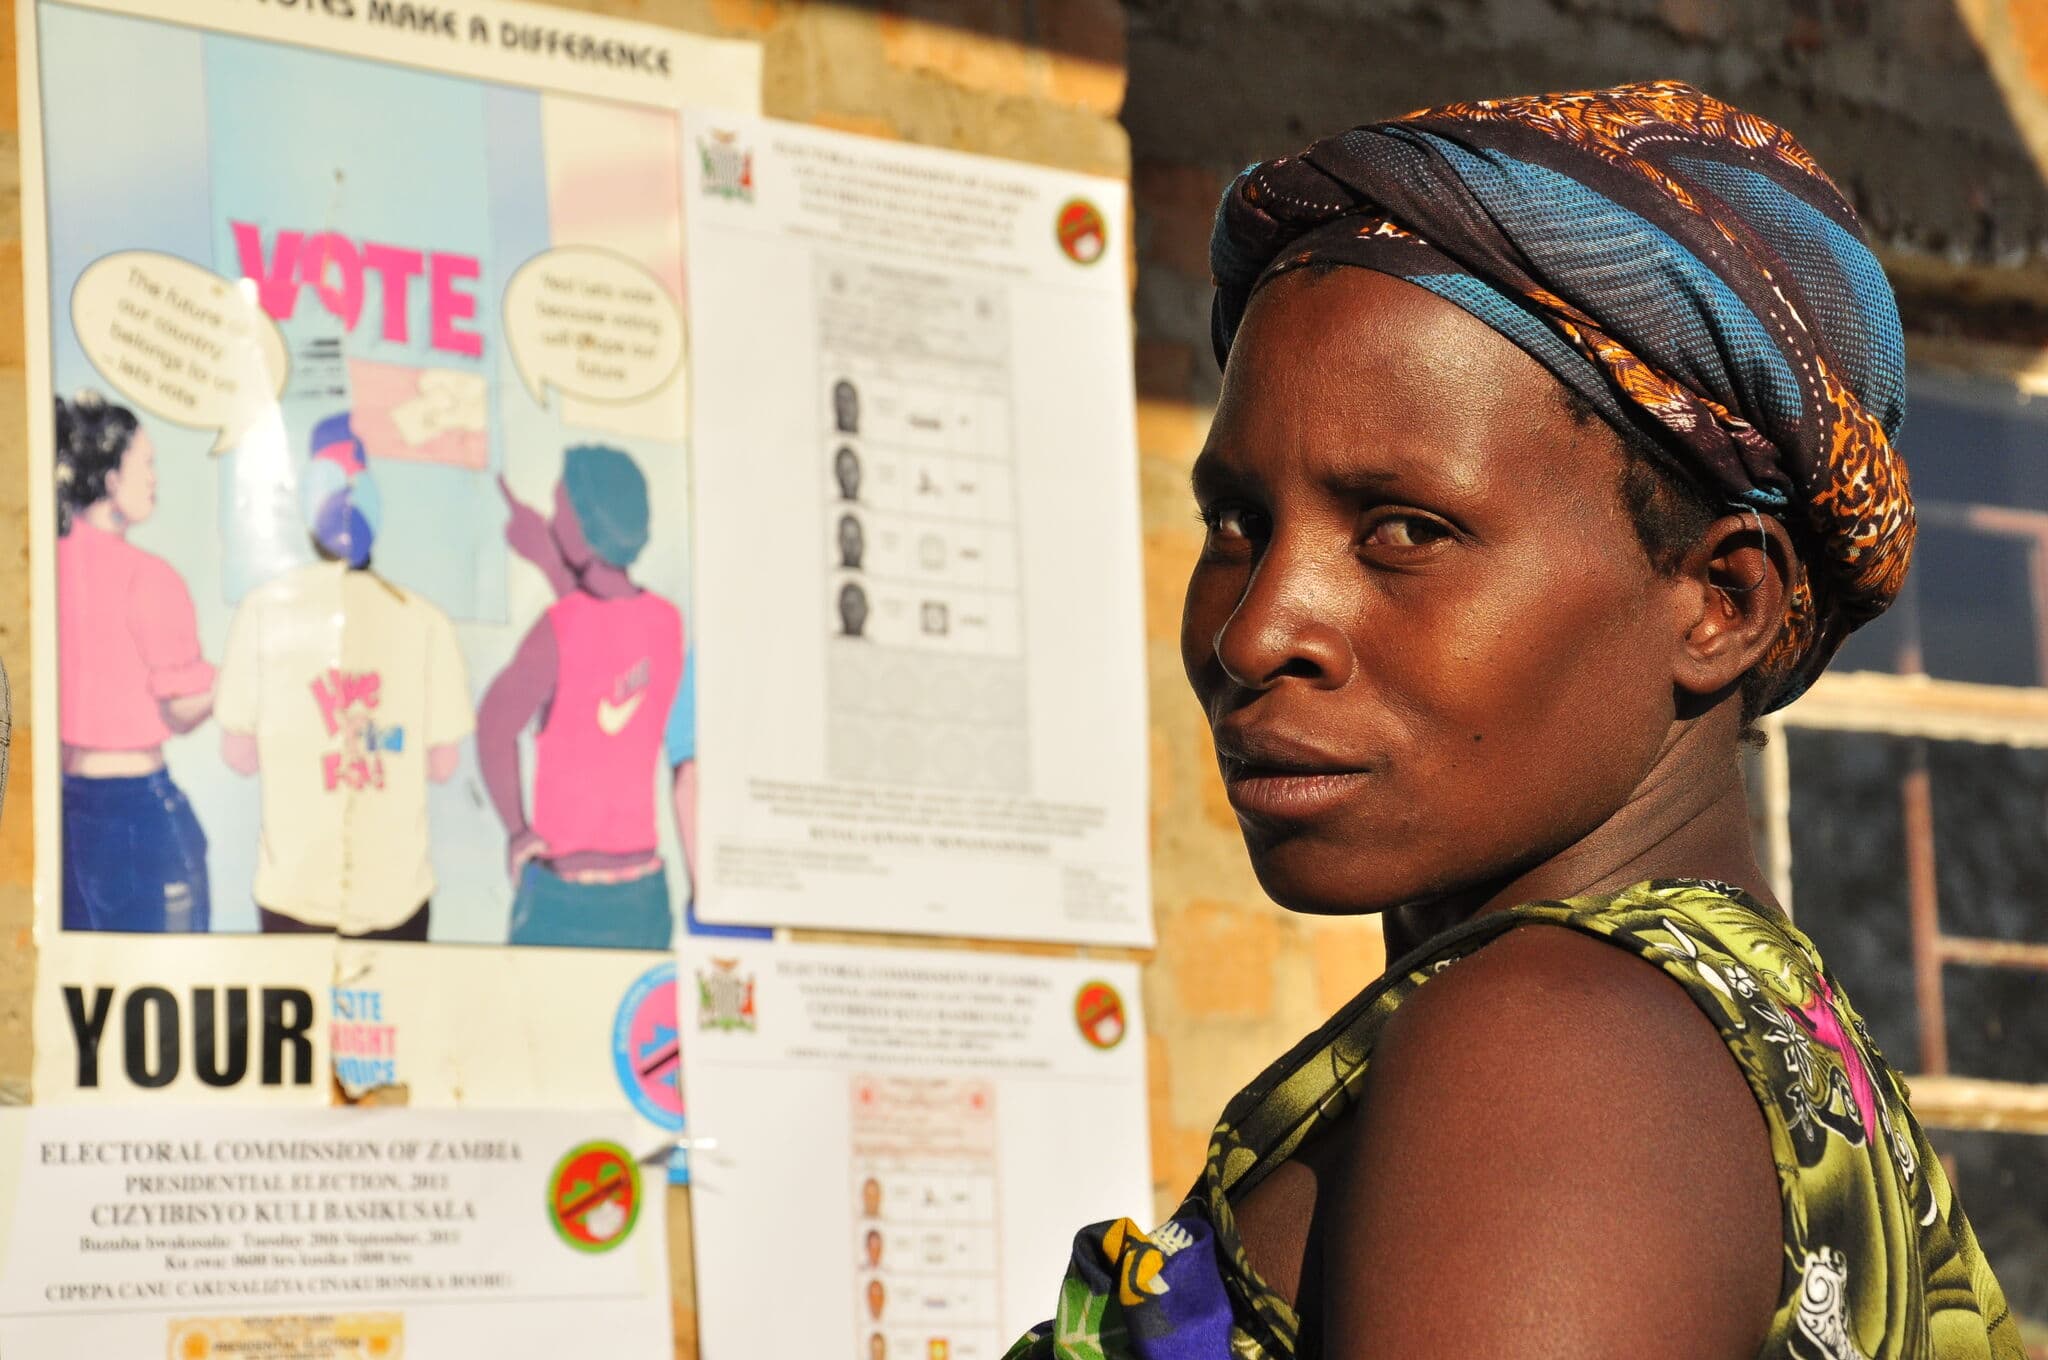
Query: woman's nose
{"points": [[1289, 623]]}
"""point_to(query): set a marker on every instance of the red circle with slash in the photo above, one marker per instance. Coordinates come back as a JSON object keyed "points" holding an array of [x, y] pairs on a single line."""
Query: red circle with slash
{"points": [[1099, 1014], [594, 1196], [1082, 233]]}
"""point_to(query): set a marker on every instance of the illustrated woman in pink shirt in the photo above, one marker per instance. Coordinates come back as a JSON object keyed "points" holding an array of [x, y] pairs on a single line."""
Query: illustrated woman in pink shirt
{"points": [[598, 673], [129, 677]]}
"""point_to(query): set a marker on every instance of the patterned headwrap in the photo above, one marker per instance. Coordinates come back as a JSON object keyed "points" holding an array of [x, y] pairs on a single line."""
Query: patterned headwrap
{"points": [[1682, 265]]}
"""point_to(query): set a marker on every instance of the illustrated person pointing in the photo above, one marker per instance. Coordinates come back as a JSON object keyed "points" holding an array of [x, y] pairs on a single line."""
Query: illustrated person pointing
{"points": [[596, 677]]}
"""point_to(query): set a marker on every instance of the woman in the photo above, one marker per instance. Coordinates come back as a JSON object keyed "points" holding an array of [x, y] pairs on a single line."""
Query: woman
{"points": [[129, 676], [1554, 446]]}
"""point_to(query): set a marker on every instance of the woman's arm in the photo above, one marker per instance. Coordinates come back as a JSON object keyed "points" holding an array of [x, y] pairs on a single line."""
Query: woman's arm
{"points": [[187, 711], [1556, 1155], [166, 632], [527, 534], [683, 800], [516, 697]]}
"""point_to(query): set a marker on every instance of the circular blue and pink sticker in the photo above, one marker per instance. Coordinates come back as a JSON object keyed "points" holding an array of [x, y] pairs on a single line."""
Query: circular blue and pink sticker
{"points": [[647, 1047]]}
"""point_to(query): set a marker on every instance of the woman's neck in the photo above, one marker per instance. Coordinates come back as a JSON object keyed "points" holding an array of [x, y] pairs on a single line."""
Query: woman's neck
{"points": [[1688, 818], [104, 516]]}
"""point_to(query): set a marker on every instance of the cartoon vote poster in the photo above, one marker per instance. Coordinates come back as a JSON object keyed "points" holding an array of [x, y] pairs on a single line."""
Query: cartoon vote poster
{"points": [[364, 718]]}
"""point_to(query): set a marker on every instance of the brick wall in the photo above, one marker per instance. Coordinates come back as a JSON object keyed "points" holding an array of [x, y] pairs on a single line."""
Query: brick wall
{"points": [[1931, 114]]}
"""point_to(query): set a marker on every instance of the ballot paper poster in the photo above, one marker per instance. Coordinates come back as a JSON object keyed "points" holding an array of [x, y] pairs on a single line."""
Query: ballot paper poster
{"points": [[909, 1138], [912, 368], [328, 1235], [359, 422]]}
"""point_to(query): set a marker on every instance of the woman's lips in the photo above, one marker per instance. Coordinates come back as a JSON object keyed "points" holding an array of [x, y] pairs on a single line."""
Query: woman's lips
{"points": [[1281, 794], [1271, 774]]}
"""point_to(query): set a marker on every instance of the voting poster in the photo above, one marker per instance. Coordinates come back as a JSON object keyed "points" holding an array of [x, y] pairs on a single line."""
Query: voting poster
{"points": [[913, 389], [365, 671]]}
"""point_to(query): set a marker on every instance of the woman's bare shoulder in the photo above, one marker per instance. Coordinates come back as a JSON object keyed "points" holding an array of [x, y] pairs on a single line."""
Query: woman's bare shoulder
{"points": [[1556, 1155]]}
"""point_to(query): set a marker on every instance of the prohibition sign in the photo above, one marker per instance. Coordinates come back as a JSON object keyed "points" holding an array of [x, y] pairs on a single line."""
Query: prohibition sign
{"points": [[1082, 233], [1099, 1014], [594, 1196]]}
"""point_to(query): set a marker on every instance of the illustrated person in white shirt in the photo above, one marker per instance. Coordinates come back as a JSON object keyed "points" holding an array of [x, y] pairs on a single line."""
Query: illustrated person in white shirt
{"points": [[348, 695]]}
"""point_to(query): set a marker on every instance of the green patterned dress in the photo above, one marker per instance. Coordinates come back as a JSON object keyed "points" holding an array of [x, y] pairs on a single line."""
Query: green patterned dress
{"points": [[1879, 1261]]}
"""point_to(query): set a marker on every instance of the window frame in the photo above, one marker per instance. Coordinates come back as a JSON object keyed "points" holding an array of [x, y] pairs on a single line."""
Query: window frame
{"points": [[1921, 706]]}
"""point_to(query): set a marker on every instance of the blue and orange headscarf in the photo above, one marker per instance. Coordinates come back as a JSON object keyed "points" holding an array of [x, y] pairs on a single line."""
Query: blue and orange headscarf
{"points": [[1682, 265]]}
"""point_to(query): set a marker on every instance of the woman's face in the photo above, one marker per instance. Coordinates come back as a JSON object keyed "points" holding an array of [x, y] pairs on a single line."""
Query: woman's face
{"points": [[1430, 645], [132, 485]]}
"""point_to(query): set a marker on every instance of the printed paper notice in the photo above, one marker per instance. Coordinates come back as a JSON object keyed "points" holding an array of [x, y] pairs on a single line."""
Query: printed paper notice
{"points": [[912, 377], [297, 1235], [914, 1135]]}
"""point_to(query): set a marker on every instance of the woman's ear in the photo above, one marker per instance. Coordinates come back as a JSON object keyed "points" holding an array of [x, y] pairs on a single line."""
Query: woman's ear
{"points": [[1738, 578]]}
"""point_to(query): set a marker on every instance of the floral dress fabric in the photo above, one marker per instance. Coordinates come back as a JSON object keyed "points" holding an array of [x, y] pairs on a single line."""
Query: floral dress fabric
{"points": [[1879, 1261]]}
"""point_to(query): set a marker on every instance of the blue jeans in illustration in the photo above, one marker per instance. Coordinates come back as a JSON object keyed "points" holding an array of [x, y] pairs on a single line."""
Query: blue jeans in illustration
{"points": [[134, 857], [552, 910]]}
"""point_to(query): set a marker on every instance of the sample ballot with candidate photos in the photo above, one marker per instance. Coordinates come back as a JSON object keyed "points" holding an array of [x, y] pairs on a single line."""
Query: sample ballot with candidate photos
{"points": [[909, 1137], [925, 430]]}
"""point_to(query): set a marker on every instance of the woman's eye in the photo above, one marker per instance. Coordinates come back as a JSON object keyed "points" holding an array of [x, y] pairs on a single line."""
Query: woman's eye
{"points": [[1230, 523], [1406, 531]]}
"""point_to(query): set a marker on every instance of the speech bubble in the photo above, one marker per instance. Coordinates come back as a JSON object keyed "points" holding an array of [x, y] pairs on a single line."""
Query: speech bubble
{"points": [[180, 341], [592, 324]]}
